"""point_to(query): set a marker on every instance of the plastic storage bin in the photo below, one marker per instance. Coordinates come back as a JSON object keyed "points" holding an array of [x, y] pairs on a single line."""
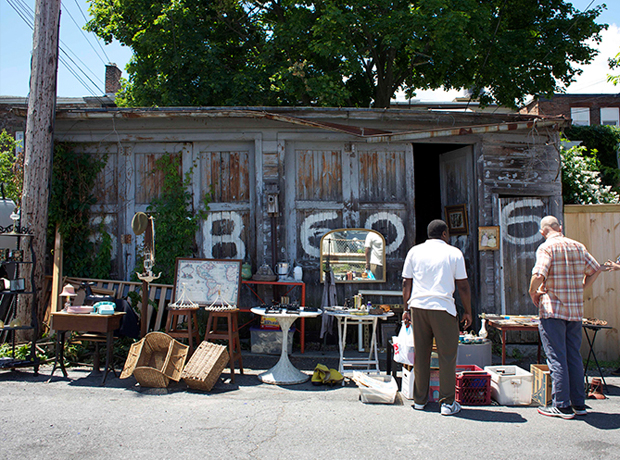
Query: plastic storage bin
{"points": [[269, 341], [510, 385]]}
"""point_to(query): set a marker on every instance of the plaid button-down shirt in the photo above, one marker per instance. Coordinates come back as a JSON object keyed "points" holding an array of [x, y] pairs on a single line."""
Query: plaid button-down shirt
{"points": [[563, 263]]}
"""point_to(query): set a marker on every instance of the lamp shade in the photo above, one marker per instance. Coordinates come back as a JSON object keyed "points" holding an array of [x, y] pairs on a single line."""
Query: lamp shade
{"points": [[68, 291]]}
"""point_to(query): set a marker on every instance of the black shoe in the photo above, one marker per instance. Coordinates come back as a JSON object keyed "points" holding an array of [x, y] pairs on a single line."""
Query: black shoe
{"points": [[562, 412], [580, 410], [616, 372]]}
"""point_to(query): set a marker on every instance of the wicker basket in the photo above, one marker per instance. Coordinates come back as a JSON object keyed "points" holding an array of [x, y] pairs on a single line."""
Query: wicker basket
{"points": [[205, 366], [155, 360]]}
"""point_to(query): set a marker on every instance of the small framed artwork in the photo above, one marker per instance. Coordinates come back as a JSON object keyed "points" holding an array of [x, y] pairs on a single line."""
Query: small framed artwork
{"points": [[456, 218], [488, 238]]}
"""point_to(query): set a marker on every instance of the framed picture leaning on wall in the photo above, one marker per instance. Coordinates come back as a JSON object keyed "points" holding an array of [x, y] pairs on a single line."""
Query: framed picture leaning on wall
{"points": [[456, 218]]}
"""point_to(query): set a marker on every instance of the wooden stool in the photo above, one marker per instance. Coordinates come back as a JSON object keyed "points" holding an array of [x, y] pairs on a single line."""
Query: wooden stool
{"points": [[231, 334], [189, 333]]}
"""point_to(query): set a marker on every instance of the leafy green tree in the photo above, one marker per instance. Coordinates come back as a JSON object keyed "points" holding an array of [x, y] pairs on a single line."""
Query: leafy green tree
{"points": [[11, 168], [344, 52], [614, 63]]}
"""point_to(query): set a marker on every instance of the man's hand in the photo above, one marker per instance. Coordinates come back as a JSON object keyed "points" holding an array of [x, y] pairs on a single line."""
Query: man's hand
{"points": [[466, 320], [407, 318]]}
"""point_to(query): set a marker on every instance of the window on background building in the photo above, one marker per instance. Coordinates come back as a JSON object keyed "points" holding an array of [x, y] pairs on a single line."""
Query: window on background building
{"points": [[610, 116], [580, 116]]}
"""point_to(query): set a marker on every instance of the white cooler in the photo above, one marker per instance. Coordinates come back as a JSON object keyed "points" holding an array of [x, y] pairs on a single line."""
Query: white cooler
{"points": [[510, 385]]}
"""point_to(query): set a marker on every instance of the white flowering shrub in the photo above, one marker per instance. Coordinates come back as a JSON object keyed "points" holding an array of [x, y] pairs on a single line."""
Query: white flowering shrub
{"points": [[581, 178]]}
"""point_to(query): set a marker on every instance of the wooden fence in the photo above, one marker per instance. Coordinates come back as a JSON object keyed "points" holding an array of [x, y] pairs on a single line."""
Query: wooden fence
{"points": [[598, 227]]}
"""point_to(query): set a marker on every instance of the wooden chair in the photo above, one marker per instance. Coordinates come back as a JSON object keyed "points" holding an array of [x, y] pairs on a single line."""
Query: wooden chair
{"points": [[175, 317], [231, 334]]}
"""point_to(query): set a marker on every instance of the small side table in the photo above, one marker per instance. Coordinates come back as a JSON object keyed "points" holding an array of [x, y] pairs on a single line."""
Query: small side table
{"points": [[284, 373], [68, 322], [595, 329], [344, 318]]}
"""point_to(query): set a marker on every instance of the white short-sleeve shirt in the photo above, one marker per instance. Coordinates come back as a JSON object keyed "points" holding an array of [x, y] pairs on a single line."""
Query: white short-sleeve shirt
{"points": [[433, 267]]}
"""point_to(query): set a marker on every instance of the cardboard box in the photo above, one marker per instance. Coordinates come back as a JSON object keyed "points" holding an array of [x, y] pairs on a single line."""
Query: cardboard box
{"points": [[269, 322], [541, 384], [510, 385], [407, 383], [269, 341], [376, 389]]}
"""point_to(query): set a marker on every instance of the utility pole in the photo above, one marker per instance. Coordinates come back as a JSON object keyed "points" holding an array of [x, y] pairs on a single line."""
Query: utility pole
{"points": [[39, 140]]}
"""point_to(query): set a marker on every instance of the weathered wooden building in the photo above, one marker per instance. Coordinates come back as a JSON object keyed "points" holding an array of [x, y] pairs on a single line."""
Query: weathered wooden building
{"points": [[390, 170]]}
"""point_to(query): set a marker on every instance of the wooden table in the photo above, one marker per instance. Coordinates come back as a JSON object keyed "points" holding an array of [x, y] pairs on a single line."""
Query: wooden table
{"points": [[69, 322], [505, 325]]}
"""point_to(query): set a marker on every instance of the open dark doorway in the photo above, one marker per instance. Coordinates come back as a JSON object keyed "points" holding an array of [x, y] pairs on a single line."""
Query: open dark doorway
{"points": [[427, 184]]}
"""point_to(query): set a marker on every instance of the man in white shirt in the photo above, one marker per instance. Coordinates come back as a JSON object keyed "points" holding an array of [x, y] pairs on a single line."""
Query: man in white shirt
{"points": [[374, 254], [431, 272]]}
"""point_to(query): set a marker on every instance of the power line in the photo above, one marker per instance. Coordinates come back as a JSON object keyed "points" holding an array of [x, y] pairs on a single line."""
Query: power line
{"points": [[25, 12], [97, 38], [66, 10]]}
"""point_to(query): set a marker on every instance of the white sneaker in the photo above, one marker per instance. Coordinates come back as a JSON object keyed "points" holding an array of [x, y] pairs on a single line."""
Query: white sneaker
{"points": [[417, 406], [450, 409]]}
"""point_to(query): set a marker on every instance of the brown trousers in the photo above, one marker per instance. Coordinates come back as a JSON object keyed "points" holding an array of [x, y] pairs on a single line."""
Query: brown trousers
{"points": [[445, 329]]}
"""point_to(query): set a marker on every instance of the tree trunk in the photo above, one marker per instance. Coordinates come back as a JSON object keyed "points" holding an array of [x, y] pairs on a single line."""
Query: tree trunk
{"points": [[39, 142]]}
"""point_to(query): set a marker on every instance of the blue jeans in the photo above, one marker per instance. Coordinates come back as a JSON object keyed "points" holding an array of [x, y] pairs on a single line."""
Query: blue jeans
{"points": [[561, 340]]}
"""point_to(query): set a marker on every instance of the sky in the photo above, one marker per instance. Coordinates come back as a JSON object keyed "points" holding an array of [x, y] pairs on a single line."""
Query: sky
{"points": [[81, 71]]}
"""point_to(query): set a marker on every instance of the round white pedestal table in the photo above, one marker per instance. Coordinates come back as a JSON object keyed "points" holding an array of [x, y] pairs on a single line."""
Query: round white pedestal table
{"points": [[284, 373]]}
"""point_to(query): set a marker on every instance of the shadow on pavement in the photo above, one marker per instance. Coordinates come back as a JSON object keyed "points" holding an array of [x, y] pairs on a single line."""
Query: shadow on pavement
{"points": [[485, 415]]}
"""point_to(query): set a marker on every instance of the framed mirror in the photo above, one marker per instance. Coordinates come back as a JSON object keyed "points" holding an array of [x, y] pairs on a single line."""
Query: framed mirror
{"points": [[356, 255]]}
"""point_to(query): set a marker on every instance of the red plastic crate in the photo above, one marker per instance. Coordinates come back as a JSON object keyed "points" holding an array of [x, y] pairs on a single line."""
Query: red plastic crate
{"points": [[473, 386]]}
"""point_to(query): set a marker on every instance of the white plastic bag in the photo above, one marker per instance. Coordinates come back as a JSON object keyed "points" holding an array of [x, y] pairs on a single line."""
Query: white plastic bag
{"points": [[403, 346]]}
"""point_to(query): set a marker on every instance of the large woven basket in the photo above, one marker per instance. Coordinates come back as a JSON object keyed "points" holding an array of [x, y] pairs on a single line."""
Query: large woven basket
{"points": [[205, 366], [155, 360]]}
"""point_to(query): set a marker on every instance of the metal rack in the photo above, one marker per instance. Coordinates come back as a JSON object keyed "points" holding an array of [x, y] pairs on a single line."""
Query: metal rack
{"points": [[22, 267]]}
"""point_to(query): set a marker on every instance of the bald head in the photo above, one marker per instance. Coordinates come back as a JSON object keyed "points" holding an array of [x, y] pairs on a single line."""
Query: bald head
{"points": [[550, 224]]}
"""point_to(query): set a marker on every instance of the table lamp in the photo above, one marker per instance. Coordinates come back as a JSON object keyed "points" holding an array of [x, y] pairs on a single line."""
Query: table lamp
{"points": [[68, 291]]}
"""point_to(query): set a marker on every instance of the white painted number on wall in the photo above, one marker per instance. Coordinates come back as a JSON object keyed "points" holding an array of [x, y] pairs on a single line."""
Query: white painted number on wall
{"points": [[511, 221], [234, 237], [310, 236]]}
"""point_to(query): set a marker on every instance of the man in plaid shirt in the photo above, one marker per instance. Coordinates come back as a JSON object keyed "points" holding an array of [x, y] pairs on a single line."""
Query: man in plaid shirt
{"points": [[564, 268]]}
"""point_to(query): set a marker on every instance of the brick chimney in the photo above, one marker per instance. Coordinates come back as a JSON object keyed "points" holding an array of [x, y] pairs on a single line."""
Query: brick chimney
{"points": [[112, 79]]}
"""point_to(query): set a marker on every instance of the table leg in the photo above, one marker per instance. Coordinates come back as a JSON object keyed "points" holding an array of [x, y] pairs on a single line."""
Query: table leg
{"points": [[340, 344], [591, 352], [284, 373], [503, 347], [60, 354], [373, 344], [302, 339], [109, 343]]}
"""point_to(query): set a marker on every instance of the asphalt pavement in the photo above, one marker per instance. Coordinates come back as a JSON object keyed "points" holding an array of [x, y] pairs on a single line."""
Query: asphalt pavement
{"points": [[76, 418]]}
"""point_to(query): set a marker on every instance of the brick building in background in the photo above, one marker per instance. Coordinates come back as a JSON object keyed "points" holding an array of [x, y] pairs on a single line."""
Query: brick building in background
{"points": [[582, 109]]}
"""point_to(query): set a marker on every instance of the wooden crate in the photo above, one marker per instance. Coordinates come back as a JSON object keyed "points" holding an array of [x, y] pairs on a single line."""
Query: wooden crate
{"points": [[541, 384]]}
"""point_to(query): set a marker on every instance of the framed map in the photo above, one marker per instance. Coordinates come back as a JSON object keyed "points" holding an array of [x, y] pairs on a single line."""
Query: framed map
{"points": [[208, 281]]}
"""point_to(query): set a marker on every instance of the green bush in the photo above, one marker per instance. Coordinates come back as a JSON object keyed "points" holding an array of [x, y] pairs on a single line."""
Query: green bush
{"points": [[581, 178], [604, 142]]}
